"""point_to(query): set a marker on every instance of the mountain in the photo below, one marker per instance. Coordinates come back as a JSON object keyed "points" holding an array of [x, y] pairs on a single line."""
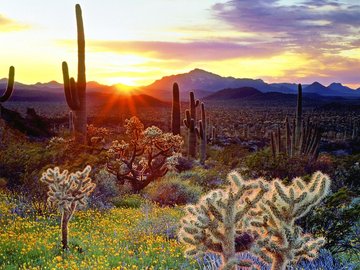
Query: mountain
{"points": [[344, 90], [317, 88], [231, 94], [203, 83]]}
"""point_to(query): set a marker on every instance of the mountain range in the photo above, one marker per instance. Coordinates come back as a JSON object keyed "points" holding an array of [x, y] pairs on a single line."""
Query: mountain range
{"points": [[205, 84]]}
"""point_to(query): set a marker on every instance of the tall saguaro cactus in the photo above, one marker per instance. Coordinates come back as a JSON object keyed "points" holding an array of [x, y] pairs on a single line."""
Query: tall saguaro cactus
{"points": [[298, 115], [193, 105], [190, 124], [201, 133], [9, 88], [175, 115], [10, 85], [75, 91]]}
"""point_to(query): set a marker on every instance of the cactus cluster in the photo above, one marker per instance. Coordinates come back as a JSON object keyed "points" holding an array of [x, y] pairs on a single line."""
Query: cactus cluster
{"points": [[218, 222], [198, 130], [66, 191], [280, 240], [302, 138], [255, 216], [75, 91]]}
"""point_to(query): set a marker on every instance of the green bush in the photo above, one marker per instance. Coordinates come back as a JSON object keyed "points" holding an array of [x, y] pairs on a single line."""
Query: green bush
{"points": [[263, 164], [128, 201], [207, 179], [337, 219], [230, 155], [171, 190]]}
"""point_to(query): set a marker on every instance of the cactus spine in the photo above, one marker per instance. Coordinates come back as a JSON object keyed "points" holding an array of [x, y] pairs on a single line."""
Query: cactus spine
{"points": [[9, 88], [218, 222], [75, 92], [66, 191], [280, 240], [175, 116], [201, 133]]}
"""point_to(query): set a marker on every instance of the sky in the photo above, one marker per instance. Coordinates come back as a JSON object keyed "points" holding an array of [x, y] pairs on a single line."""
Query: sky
{"points": [[135, 42]]}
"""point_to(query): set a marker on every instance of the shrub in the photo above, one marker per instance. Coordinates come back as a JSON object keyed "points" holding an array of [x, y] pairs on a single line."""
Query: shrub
{"points": [[147, 155], [337, 219], [263, 164], [173, 191], [230, 156], [348, 172], [207, 179], [128, 201]]}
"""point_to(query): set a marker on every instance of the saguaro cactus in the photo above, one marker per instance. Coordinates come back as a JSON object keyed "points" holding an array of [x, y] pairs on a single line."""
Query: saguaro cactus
{"points": [[190, 124], [10, 85], [189, 117], [193, 105], [280, 240], [67, 191], [9, 88], [175, 116], [302, 139], [298, 115], [201, 133], [218, 223], [75, 92]]}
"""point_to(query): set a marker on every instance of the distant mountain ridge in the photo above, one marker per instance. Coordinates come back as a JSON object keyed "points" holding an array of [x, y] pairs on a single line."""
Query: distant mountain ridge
{"points": [[202, 82]]}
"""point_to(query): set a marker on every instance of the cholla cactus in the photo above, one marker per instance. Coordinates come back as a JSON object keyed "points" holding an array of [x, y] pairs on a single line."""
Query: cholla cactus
{"points": [[146, 155], [218, 222], [281, 240], [67, 191]]}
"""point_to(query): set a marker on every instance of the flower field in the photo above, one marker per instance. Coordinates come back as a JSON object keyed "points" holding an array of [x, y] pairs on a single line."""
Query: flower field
{"points": [[111, 239]]}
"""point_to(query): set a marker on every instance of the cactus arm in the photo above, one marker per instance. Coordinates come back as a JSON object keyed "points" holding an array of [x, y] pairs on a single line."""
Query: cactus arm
{"points": [[70, 89], [10, 85]]}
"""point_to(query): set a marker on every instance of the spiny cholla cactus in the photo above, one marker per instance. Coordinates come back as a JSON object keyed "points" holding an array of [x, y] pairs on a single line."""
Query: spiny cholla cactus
{"points": [[67, 191], [146, 156], [281, 241], [218, 222]]}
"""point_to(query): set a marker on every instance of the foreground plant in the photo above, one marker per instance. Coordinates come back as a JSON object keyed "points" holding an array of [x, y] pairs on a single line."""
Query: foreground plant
{"points": [[281, 241], [218, 222], [145, 157], [66, 191], [256, 217]]}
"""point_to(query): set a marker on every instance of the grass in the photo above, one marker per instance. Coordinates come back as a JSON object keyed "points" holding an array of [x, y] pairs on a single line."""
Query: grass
{"points": [[113, 239]]}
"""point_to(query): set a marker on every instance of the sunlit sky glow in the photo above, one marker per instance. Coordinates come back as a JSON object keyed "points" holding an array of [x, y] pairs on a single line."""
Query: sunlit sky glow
{"points": [[135, 42]]}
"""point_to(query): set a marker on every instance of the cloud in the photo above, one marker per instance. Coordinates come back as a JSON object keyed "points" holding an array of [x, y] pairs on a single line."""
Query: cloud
{"points": [[9, 25], [318, 25], [188, 51]]}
